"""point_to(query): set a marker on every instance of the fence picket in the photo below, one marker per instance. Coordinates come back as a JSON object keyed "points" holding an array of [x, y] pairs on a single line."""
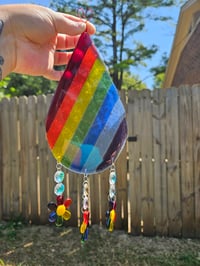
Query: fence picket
{"points": [[196, 153], [121, 186], [14, 156], [134, 178], [147, 191], [159, 147], [94, 198], [51, 163], [42, 156], [32, 156], [121, 170], [6, 205], [172, 161], [104, 189], [73, 194], [186, 157], [24, 162]]}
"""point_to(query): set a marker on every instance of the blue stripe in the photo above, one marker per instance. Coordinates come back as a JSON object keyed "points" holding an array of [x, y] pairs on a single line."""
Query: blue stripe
{"points": [[102, 116], [98, 125], [105, 138]]}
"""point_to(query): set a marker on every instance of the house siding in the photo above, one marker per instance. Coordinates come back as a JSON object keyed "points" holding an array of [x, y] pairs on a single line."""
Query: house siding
{"points": [[188, 68]]}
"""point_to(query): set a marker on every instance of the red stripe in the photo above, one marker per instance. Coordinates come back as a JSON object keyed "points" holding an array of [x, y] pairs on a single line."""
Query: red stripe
{"points": [[65, 82], [71, 96]]}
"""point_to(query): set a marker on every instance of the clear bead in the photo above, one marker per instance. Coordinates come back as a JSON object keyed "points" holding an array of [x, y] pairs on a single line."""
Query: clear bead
{"points": [[85, 203], [112, 177], [59, 176], [59, 189], [112, 191]]}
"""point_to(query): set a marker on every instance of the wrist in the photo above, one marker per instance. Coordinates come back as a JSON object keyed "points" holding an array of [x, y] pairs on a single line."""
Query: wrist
{"points": [[7, 59]]}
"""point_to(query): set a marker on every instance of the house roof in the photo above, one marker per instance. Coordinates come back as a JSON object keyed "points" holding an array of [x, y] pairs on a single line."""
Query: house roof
{"points": [[188, 17]]}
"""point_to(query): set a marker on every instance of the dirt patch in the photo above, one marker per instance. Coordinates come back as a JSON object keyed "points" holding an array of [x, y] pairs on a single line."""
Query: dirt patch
{"points": [[48, 245]]}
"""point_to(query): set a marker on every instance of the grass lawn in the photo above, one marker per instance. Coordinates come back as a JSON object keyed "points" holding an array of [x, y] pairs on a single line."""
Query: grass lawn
{"points": [[47, 245]]}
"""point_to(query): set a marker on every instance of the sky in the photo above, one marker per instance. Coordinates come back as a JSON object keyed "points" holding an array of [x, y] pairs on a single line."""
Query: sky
{"points": [[159, 33]]}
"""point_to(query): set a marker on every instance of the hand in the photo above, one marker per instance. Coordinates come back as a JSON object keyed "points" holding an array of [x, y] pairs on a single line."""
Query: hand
{"points": [[34, 34]]}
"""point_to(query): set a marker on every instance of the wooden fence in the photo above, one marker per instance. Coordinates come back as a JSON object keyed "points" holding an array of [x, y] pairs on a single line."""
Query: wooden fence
{"points": [[158, 175]]}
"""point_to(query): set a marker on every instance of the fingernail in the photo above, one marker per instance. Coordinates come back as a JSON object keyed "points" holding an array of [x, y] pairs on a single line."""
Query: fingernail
{"points": [[82, 25]]}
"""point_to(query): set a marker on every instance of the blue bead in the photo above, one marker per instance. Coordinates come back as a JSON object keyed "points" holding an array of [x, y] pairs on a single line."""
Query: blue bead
{"points": [[112, 177], [52, 217], [59, 189], [59, 176]]}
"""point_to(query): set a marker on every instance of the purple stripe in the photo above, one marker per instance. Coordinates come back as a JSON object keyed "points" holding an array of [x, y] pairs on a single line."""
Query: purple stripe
{"points": [[115, 146]]}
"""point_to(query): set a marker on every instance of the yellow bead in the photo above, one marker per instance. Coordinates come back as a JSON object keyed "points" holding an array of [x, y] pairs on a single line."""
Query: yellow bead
{"points": [[67, 215], [111, 227], [60, 210], [83, 228], [112, 215]]}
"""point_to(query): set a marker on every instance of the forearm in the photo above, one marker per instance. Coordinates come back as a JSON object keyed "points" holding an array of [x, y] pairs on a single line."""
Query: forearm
{"points": [[6, 45]]}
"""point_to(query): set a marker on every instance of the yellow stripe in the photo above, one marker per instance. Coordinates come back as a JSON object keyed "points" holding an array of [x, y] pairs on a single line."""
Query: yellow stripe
{"points": [[78, 110]]}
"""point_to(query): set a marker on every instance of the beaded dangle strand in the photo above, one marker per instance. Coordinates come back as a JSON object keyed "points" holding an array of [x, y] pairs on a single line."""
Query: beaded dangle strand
{"points": [[59, 210], [111, 213], [85, 209]]}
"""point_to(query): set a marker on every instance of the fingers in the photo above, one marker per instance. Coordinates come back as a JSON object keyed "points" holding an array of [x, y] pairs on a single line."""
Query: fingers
{"points": [[62, 58], [74, 18], [65, 42], [68, 24], [90, 28]]}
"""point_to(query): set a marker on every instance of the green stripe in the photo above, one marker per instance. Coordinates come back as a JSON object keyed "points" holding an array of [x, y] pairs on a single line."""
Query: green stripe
{"points": [[65, 161], [89, 115]]}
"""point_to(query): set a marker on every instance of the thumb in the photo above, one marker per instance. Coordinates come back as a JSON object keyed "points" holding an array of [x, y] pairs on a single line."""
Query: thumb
{"points": [[68, 26]]}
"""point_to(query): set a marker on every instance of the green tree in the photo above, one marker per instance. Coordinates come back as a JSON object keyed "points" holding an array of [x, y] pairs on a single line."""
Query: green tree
{"points": [[159, 72], [117, 23], [131, 82], [17, 85]]}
